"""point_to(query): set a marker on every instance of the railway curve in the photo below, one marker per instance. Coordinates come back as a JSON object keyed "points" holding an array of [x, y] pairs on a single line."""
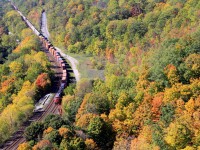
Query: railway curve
{"points": [[59, 67], [74, 63]]}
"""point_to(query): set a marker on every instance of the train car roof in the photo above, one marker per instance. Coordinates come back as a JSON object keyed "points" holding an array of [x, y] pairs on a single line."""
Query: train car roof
{"points": [[57, 94], [62, 85]]}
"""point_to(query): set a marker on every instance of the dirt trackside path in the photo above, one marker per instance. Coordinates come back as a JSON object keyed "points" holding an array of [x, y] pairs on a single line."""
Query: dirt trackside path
{"points": [[74, 63]]}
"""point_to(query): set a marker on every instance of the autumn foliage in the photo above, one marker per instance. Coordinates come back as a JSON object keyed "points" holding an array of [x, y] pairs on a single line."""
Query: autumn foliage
{"points": [[24, 80], [43, 81], [24, 146], [42, 144], [148, 97]]}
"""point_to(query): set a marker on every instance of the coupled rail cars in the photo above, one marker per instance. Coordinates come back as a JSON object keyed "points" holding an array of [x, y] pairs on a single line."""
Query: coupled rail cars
{"points": [[47, 44], [52, 50]]}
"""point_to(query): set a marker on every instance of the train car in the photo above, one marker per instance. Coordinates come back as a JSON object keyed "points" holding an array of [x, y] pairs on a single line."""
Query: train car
{"points": [[55, 52], [64, 80], [63, 66], [51, 49], [60, 61], [65, 73], [62, 86], [57, 56], [48, 45], [40, 36], [57, 98]]}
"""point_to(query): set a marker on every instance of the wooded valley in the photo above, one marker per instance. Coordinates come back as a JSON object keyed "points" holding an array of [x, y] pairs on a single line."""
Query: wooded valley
{"points": [[150, 53]]}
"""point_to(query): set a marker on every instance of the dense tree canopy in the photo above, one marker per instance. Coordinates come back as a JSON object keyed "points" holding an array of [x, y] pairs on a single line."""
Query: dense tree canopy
{"points": [[150, 49]]}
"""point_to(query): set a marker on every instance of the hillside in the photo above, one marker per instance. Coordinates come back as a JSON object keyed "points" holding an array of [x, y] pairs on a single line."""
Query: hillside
{"points": [[150, 51]]}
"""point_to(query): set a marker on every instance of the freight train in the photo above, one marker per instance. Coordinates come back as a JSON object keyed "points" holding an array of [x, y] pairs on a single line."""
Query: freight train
{"points": [[47, 44], [52, 50]]}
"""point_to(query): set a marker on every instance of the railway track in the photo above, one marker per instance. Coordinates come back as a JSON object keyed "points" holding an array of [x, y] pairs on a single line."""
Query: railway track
{"points": [[18, 138], [52, 108]]}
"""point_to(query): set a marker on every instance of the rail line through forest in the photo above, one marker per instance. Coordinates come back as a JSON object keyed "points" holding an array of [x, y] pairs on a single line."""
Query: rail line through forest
{"points": [[17, 138]]}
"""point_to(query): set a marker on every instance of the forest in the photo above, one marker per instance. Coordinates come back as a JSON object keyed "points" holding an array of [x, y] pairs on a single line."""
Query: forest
{"points": [[150, 50]]}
